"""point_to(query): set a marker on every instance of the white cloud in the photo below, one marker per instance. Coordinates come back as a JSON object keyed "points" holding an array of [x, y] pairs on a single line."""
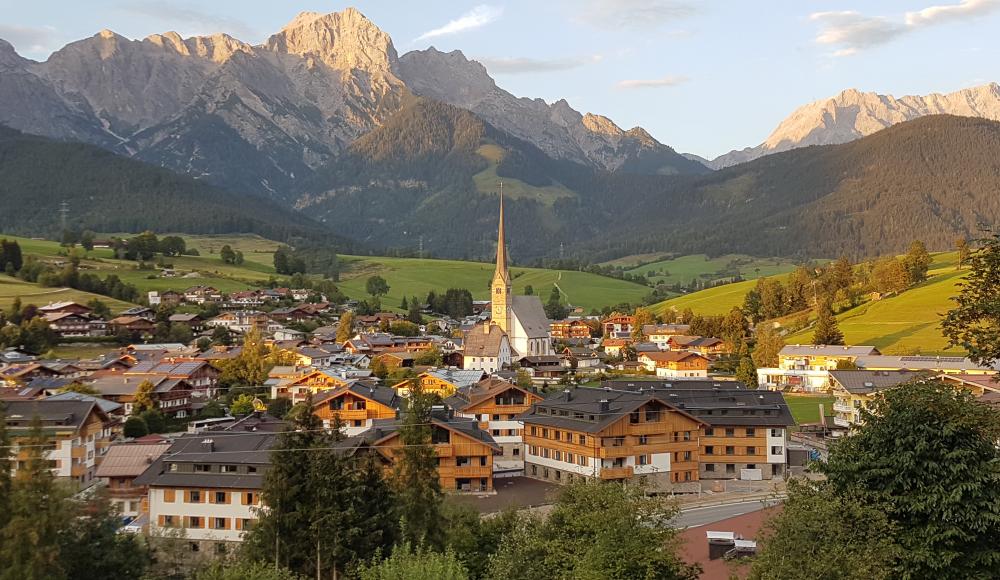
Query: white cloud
{"points": [[522, 65], [853, 32], [29, 39], [191, 21], [626, 14], [476, 18], [667, 81], [951, 12]]}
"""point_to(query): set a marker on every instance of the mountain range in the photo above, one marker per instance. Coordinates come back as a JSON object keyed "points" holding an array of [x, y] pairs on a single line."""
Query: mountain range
{"points": [[326, 124]]}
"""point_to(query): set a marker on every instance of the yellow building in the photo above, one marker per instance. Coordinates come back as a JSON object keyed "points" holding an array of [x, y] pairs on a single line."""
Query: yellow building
{"points": [[441, 382]]}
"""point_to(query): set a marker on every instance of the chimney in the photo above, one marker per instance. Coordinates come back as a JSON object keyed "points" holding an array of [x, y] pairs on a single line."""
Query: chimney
{"points": [[569, 394], [605, 406], [208, 445]]}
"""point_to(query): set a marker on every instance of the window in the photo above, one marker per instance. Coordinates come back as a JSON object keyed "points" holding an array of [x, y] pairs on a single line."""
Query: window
{"points": [[652, 415], [228, 469], [545, 433], [557, 455], [168, 521], [583, 440], [463, 461], [582, 460], [730, 450], [751, 466], [558, 475], [751, 432], [219, 523], [202, 468], [776, 433], [194, 496], [730, 432], [710, 467], [534, 430], [495, 432], [709, 450], [194, 522], [642, 459], [709, 432], [643, 439], [220, 497], [569, 458], [250, 498], [358, 423], [775, 450], [633, 417], [555, 435], [517, 451], [194, 547], [687, 476], [220, 548], [534, 470], [730, 468], [751, 450], [686, 456], [545, 453], [251, 469]]}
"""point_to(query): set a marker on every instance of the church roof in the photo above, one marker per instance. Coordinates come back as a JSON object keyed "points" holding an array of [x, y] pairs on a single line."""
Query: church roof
{"points": [[531, 315], [484, 340], [501, 245]]}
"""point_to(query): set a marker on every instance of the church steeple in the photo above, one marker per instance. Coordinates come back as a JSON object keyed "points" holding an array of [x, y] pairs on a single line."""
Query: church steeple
{"points": [[500, 295]]}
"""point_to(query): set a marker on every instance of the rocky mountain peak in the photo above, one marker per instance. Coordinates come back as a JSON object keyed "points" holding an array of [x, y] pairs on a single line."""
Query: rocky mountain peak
{"points": [[9, 56], [217, 47], [342, 40], [602, 125]]}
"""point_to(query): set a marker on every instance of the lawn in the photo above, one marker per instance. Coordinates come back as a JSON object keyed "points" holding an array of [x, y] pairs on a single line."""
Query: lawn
{"points": [[416, 277], [718, 300], [684, 269], [805, 408], [11, 288]]}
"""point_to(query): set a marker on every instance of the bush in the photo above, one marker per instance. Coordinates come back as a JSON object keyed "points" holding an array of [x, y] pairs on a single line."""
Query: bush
{"points": [[135, 427]]}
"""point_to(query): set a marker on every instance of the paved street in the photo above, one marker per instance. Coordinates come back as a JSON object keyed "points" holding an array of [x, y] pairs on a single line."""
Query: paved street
{"points": [[699, 516]]}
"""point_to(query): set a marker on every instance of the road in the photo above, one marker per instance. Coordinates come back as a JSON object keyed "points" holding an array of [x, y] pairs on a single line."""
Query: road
{"points": [[699, 516]]}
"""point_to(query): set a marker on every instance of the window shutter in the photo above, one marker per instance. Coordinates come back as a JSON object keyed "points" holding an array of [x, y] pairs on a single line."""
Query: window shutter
{"points": [[168, 495], [226, 526], [160, 520], [238, 523]]}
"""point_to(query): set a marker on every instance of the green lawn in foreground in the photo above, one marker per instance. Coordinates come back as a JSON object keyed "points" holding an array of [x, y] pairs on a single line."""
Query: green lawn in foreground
{"points": [[805, 408], [416, 277]]}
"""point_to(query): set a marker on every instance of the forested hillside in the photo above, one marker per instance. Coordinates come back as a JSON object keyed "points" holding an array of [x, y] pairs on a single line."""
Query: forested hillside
{"points": [[106, 192], [935, 178]]}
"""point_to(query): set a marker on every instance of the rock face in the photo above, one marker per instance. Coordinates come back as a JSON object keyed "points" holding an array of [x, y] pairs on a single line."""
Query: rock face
{"points": [[853, 114], [557, 129], [260, 118]]}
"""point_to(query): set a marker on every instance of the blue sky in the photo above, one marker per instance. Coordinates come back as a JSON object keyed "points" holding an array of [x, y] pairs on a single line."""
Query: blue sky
{"points": [[703, 77]]}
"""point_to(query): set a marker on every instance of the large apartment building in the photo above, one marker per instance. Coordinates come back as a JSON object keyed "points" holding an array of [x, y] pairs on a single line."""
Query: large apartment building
{"points": [[610, 435], [671, 432], [78, 434], [496, 404], [806, 367], [209, 485]]}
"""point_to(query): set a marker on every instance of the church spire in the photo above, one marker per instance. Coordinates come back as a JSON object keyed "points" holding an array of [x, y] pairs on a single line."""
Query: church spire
{"points": [[501, 270]]}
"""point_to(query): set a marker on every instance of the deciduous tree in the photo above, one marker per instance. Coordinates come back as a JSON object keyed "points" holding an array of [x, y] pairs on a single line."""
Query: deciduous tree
{"points": [[974, 322]]}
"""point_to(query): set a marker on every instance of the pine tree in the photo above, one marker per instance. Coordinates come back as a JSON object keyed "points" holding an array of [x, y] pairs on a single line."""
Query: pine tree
{"points": [[974, 323], [827, 331], [29, 548], [416, 476], [404, 305]]}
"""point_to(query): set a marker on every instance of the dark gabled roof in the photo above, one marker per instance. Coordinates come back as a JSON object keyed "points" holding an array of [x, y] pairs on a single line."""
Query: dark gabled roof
{"points": [[574, 408], [53, 414], [667, 384], [726, 407], [471, 395], [233, 448], [864, 382], [382, 429], [383, 395]]}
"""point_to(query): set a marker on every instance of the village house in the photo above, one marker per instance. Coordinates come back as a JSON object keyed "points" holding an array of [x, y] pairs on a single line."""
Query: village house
{"points": [[487, 349], [246, 299], [856, 389], [704, 345], [611, 435], [618, 325], [172, 397], [69, 324], [496, 404], [168, 298], [194, 321], [242, 321], [23, 373], [675, 364], [581, 359], [543, 369], [136, 326], [208, 485], [807, 367], [442, 382], [316, 381], [660, 334], [202, 294], [122, 464], [64, 307], [569, 328], [465, 452], [199, 375], [357, 404], [78, 434]]}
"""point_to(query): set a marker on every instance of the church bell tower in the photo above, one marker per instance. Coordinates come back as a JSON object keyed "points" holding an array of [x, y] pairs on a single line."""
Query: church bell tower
{"points": [[500, 293]]}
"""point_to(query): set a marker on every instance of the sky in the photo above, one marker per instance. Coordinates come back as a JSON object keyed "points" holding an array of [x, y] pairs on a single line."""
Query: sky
{"points": [[702, 76]]}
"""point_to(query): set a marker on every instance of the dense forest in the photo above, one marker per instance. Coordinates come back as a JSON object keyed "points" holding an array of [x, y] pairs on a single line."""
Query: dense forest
{"points": [[108, 193]]}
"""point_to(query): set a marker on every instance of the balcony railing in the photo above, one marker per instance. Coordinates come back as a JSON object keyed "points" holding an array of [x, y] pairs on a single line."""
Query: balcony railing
{"points": [[843, 408], [616, 472]]}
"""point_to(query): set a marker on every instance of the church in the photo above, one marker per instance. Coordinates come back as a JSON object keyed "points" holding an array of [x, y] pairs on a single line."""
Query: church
{"points": [[518, 324]]}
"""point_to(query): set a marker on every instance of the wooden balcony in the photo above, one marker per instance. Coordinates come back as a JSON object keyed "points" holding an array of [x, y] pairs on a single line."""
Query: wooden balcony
{"points": [[617, 472], [469, 471]]}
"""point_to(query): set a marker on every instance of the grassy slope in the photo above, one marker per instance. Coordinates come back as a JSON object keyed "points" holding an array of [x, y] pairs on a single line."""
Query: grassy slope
{"points": [[718, 300], [903, 324], [416, 277], [487, 181], [683, 269], [907, 323], [11, 288]]}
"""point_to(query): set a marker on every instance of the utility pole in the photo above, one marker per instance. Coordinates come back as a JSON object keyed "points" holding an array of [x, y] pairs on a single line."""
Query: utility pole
{"points": [[560, 251], [420, 252], [63, 212]]}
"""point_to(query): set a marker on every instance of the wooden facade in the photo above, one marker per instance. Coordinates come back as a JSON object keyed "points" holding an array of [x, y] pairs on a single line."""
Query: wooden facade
{"points": [[465, 463]]}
